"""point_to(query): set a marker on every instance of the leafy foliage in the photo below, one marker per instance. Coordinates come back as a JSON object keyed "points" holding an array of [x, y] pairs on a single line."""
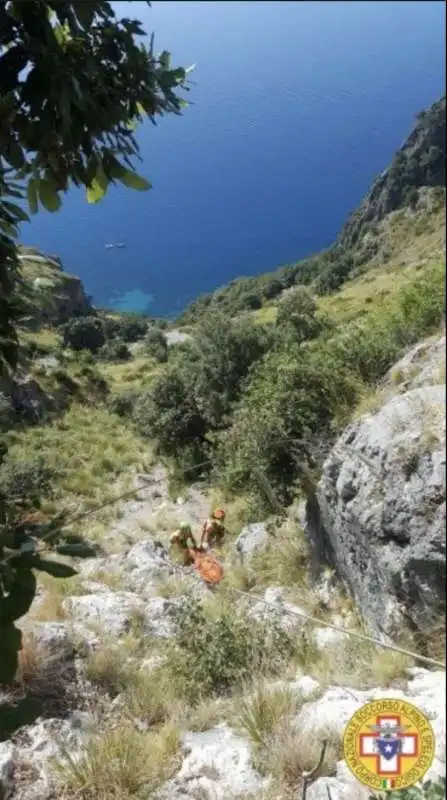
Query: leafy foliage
{"points": [[83, 333], [420, 163], [156, 345], [24, 536], [75, 81], [299, 395], [128, 327], [115, 350], [169, 413], [212, 656], [297, 315], [194, 397]]}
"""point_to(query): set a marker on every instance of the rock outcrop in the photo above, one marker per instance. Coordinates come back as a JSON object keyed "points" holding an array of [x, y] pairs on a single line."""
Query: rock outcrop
{"points": [[419, 163], [55, 296], [378, 515]]}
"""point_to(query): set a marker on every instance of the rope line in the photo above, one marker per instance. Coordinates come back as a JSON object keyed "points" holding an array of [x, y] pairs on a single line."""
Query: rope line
{"points": [[302, 614], [362, 636]]}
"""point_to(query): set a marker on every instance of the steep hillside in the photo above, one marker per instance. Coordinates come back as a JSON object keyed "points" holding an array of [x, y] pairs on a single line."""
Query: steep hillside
{"points": [[52, 295], [406, 205], [317, 421], [420, 163]]}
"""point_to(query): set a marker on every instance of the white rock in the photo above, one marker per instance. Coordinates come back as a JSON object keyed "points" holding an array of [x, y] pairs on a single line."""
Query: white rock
{"points": [[54, 638], [152, 664], [145, 563], [8, 760], [329, 715], [252, 539], [343, 786], [328, 637], [45, 742], [306, 686], [112, 612], [286, 615], [218, 765], [158, 614]]}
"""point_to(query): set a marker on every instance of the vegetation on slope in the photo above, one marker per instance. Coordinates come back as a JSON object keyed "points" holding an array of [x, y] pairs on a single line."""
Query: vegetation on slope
{"points": [[413, 186], [75, 80]]}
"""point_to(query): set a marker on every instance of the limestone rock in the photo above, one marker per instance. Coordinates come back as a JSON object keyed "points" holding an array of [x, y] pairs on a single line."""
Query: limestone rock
{"points": [[8, 760], [252, 539], [277, 611], [28, 398], [218, 765], [41, 744], [378, 516], [421, 366], [54, 638], [147, 562], [328, 716], [115, 613], [110, 612]]}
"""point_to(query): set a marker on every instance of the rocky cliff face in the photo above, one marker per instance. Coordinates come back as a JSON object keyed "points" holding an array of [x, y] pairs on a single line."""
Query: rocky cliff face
{"points": [[378, 516], [419, 163], [54, 296]]}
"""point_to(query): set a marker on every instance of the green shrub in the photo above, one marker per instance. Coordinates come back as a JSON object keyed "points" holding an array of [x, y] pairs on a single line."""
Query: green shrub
{"points": [[129, 328], [7, 413], [156, 346], [83, 333], [115, 350], [213, 655], [22, 485], [168, 412], [296, 316], [123, 404]]}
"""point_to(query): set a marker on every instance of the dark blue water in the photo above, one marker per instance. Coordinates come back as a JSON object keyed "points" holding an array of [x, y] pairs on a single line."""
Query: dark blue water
{"points": [[297, 107]]}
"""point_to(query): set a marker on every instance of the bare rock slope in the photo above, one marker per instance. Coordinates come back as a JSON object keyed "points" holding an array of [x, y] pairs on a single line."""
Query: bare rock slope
{"points": [[378, 516]]}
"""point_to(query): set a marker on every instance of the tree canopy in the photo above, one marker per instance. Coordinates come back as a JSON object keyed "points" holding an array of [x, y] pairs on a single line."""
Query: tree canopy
{"points": [[75, 80]]}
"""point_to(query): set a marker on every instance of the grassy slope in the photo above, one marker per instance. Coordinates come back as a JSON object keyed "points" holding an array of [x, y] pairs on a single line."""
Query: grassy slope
{"points": [[408, 242]]}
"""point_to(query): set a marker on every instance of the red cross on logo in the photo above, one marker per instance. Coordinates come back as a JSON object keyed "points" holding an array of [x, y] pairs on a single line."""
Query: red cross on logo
{"points": [[389, 745]]}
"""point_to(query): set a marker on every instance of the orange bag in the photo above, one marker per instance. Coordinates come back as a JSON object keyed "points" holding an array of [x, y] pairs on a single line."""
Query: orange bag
{"points": [[208, 567]]}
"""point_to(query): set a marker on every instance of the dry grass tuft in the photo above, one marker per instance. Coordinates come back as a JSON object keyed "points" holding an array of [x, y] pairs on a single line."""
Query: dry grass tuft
{"points": [[285, 561], [121, 764], [261, 713], [288, 754]]}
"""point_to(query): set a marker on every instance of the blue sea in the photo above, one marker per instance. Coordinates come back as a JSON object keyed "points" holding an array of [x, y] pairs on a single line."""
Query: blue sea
{"points": [[295, 108]]}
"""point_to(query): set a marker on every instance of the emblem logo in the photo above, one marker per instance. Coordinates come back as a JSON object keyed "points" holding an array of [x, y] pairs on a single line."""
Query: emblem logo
{"points": [[389, 744]]}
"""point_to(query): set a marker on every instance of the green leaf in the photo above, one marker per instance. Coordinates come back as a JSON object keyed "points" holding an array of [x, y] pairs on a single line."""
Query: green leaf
{"points": [[16, 211], [165, 59], [48, 195], [33, 201], [55, 569], [133, 181], [98, 188], [76, 550], [95, 192], [13, 153]]}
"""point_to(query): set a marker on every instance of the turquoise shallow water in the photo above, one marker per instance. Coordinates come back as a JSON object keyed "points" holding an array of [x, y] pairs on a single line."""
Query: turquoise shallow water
{"points": [[297, 107]]}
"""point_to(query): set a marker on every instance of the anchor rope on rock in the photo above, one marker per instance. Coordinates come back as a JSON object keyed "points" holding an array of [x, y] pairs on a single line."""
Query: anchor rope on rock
{"points": [[272, 498], [322, 623]]}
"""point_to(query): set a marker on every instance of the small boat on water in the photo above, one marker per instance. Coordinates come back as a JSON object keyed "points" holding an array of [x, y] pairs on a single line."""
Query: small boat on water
{"points": [[116, 244]]}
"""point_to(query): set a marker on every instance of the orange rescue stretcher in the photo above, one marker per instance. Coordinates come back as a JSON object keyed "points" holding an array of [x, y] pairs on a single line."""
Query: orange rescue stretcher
{"points": [[208, 567]]}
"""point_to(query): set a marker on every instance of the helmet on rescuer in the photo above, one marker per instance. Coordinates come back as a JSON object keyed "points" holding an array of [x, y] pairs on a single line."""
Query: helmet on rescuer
{"points": [[219, 513]]}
